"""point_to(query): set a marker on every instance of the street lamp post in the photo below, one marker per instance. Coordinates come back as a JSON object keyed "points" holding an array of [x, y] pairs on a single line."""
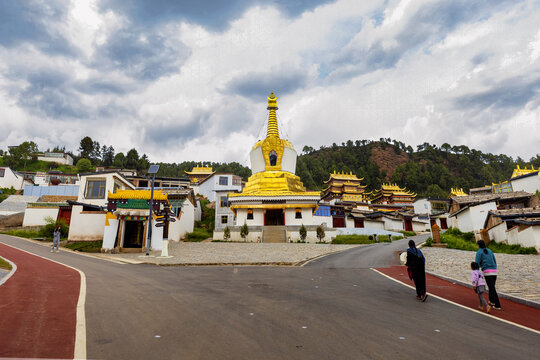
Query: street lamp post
{"points": [[153, 170]]}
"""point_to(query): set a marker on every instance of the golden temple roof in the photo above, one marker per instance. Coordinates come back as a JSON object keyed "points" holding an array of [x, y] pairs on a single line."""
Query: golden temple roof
{"points": [[392, 189], [200, 170], [343, 176], [274, 183], [457, 192], [137, 194], [519, 171]]}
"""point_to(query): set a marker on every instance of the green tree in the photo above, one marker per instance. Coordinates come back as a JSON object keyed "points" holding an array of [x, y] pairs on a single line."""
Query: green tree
{"points": [[303, 233], [244, 231], [226, 233], [120, 161], [84, 166], [20, 155], [132, 159], [320, 233], [86, 147]]}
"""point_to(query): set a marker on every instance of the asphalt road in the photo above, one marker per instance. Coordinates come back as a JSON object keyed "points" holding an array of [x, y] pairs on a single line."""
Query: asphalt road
{"points": [[332, 308]]}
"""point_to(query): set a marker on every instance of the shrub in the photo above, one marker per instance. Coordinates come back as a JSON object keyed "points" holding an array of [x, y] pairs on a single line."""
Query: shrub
{"points": [[303, 232], [244, 231], [320, 233], [198, 234], [226, 233], [48, 230]]}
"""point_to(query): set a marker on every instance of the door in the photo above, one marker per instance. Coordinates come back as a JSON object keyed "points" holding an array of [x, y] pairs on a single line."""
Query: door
{"points": [[65, 213], [358, 223], [408, 224], [133, 234], [444, 225], [338, 222], [274, 217]]}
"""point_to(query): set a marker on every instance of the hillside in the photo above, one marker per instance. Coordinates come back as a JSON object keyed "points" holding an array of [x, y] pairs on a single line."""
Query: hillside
{"points": [[429, 171]]}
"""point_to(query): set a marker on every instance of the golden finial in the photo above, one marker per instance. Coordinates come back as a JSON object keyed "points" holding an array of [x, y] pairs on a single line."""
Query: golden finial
{"points": [[272, 129]]}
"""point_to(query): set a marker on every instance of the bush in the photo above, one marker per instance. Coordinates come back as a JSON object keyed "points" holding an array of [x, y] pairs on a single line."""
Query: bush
{"points": [[352, 239], [226, 233], [244, 231], [456, 239], [198, 234], [303, 233], [29, 234], [48, 230], [320, 233], [511, 249], [408, 233]]}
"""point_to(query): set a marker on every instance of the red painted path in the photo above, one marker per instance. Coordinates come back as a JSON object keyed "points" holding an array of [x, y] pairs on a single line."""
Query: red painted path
{"points": [[38, 307], [517, 313]]}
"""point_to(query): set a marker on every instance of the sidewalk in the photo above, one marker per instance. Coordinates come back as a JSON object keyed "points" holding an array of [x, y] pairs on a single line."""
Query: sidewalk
{"points": [[511, 311]]}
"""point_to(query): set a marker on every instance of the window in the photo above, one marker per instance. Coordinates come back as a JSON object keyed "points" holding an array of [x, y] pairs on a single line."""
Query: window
{"points": [[223, 180], [117, 186], [250, 214], [224, 219], [223, 200], [298, 214], [95, 189], [273, 158], [237, 180], [2, 172]]}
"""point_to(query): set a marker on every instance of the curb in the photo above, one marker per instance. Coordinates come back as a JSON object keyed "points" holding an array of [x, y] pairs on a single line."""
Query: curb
{"points": [[513, 298], [6, 277]]}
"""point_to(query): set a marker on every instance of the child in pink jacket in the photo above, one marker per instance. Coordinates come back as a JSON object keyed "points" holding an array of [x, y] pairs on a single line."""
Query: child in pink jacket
{"points": [[479, 286]]}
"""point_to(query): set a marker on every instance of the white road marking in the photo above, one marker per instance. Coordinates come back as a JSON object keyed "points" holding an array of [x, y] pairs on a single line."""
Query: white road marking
{"points": [[80, 327], [461, 306], [10, 274]]}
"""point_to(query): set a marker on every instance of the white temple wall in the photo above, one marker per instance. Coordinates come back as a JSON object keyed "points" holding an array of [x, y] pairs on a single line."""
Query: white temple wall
{"points": [[498, 233], [86, 225], [307, 217], [109, 234], [288, 162], [257, 160]]}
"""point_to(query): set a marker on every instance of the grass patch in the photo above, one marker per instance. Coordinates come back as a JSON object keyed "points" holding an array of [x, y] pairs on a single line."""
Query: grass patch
{"points": [[29, 234], [455, 239], [362, 239], [85, 246], [4, 264], [199, 234], [407, 233]]}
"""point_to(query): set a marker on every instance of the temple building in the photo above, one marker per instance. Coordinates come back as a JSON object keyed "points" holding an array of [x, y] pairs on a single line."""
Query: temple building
{"points": [[199, 173], [391, 195], [345, 187], [274, 203], [457, 192], [520, 172]]}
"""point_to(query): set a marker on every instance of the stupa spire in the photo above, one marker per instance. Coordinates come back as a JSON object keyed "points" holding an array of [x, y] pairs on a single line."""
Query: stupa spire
{"points": [[272, 129]]}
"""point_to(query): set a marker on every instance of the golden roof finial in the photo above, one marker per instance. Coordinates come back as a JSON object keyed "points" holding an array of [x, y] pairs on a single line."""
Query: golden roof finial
{"points": [[272, 129]]}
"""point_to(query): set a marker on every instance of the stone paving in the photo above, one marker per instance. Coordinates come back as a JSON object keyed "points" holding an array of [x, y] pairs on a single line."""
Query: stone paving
{"points": [[518, 275], [185, 253]]}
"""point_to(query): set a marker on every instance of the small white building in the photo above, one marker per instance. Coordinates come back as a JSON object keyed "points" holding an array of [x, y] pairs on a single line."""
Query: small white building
{"points": [[515, 226], [59, 158], [219, 182], [472, 217], [89, 211], [224, 216], [182, 203], [528, 182], [11, 179]]}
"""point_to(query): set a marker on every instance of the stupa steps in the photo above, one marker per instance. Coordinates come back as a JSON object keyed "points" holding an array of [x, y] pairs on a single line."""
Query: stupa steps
{"points": [[274, 234]]}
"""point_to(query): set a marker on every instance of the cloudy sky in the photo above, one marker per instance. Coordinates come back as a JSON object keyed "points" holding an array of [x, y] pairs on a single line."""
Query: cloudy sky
{"points": [[188, 80]]}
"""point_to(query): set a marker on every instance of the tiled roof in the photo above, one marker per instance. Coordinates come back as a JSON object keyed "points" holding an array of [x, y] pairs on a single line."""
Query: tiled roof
{"points": [[462, 200], [525, 212]]}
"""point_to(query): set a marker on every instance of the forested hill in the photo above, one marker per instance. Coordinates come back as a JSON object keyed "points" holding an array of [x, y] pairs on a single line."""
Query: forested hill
{"points": [[429, 171]]}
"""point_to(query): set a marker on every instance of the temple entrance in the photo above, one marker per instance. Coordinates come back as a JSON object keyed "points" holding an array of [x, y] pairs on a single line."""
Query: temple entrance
{"points": [[133, 234], [408, 224], [274, 217], [444, 225]]}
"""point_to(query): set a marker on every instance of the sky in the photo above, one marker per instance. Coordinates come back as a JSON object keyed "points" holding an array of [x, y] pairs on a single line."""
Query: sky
{"points": [[188, 80]]}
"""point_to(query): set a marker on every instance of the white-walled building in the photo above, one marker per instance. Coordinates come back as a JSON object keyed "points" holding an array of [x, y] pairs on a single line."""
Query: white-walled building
{"points": [[182, 202], [89, 211], [59, 158], [219, 182], [515, 226], [528, 182], [11, 179], [473, 216]]}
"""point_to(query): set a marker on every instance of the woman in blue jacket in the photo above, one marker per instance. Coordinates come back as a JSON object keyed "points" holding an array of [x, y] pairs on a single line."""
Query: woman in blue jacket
{"points": [[488, 264]]}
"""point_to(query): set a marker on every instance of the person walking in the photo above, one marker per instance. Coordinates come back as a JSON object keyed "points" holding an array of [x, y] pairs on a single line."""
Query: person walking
{"points": [[56, 238], [488, 264], [416, 268], [479, 286]]}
